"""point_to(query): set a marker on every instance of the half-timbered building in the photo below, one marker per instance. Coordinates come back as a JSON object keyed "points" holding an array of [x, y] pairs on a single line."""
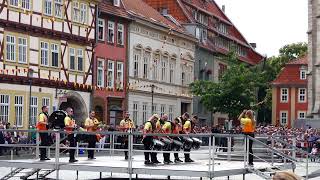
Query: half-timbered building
{"points": [[46, 57]]}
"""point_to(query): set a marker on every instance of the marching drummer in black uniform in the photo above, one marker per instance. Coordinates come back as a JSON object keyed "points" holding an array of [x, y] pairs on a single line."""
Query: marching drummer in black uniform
{"points": [[149, 127], [126, 125], [188, 127]]}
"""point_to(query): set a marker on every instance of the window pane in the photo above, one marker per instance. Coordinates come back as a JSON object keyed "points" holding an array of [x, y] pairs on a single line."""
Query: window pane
{"points": [[111, 32], [18, 105], [76, 12], [101, 29], [22, 50], [72, 58], [13, 2], [83, 13], [110, 74], [4, 108], [25, 4], [120, 34], [58, 8], [136, 65], [48, 7], [100, 75], [119, 75], [54, 55], [34, 110], [80, 60], [11, 48], [44, 54]]}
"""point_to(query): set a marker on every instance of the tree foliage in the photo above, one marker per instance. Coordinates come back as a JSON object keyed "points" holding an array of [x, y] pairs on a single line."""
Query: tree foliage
{"points": [[235, 91], [243, 86]]}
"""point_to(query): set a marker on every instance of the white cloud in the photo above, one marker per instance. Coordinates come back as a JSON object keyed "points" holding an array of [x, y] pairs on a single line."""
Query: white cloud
{"points": [[269, 23]]}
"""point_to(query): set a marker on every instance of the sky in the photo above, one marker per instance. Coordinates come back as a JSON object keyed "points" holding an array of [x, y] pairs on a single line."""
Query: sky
{"points": [[269, 23]]}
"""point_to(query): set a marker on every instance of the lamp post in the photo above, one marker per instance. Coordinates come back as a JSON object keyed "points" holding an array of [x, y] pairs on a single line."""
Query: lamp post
{"points": [[30, 75], [152, 92]]}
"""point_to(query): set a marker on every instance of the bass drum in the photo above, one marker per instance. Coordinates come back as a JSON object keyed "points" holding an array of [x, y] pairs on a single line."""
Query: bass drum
{"points": [[196, 143], [157, 145], [56, 119]]}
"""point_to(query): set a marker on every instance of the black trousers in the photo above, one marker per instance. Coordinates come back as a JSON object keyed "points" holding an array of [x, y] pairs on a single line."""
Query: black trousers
{"points": [[176, 155], [44, 137], [125, 145], [148, 142], [73, 142], [92, 139], [250, 147], [187, 155], [166, 156]]}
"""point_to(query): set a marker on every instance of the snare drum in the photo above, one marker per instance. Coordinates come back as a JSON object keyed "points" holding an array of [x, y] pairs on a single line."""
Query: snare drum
{"points": [[196, 143], [157, 145], [187, 139], [177, 145], [187, 143], [167, 143]]}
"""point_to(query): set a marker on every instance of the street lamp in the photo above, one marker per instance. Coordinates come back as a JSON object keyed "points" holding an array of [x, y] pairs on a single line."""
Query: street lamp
{"points": [[152, 92], [30, 75]]}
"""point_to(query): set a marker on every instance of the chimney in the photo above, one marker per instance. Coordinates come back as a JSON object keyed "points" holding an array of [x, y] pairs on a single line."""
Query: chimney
{"points": [[253, 45], [224, 8]]}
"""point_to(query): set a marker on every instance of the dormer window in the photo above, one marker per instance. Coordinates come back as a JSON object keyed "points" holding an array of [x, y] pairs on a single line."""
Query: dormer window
{"points": [[303, 74], [116, 3]]}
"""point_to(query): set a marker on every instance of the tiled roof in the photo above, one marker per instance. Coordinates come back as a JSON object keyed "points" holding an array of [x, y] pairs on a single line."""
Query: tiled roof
{"points": [[300, 61], [290, 74], [108, 8], [140, 9], [211, 8]]}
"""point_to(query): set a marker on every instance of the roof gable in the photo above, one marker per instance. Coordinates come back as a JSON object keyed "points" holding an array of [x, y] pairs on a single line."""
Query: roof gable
{"points": [[142, 10], [290, 74]]}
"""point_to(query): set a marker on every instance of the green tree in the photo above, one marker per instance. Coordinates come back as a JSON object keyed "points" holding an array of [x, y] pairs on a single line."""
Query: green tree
{"points": [[235, 91], [243, 86]]}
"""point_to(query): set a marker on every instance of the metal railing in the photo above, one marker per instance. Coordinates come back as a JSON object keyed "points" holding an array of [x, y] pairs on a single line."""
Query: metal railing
{"points": [[209, 150]]}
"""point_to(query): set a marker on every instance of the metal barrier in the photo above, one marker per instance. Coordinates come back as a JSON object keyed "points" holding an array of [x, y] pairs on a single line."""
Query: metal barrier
{"points": [[206, 153]]}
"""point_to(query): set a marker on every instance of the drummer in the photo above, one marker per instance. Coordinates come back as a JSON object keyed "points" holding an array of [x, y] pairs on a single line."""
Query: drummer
{"points": [[166, 129], [70, 126], [188, 127], [126, 125], [176, 128], [182, 119], [91, 125], [148, 140]]}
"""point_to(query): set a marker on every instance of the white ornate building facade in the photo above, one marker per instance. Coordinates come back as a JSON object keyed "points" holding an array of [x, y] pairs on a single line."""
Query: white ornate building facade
{"points": [[313, 73], [45, 45], [161, 58]]}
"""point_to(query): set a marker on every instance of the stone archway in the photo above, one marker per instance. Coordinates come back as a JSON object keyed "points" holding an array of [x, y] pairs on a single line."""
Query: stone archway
{"points": [[99, 105], [76, 102]]}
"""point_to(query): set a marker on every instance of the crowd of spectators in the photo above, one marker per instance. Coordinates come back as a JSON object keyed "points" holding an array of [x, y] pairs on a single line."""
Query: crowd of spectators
{"points": [[11, 137], [306, 138]]}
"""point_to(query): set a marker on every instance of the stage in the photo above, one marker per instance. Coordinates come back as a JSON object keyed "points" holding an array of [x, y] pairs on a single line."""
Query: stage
{"points": [[117, 165]]}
